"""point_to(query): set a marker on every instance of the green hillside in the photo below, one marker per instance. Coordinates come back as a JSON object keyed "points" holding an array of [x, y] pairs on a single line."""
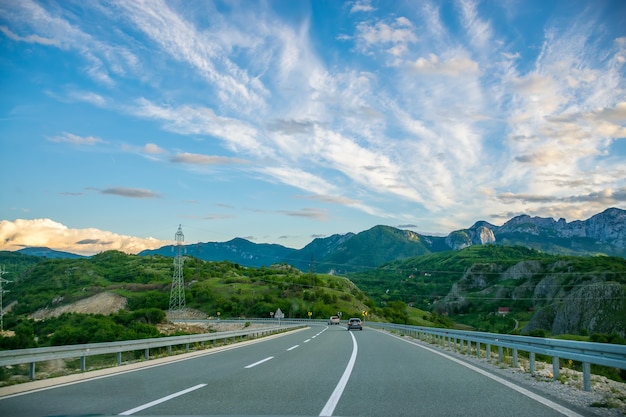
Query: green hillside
{"points": [[373, 248], [424, 279], [39, 284], [553, 294]]}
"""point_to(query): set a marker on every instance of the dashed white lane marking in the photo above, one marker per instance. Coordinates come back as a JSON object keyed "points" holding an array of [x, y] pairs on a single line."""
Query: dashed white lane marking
{"points": [[161, 400], [293, 347], [252, 365], [307, 341], [329, 408]]}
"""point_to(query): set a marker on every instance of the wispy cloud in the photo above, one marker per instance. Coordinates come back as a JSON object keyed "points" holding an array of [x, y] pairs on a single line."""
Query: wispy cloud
{"points": [[198, 159], [130, 192], [237, 135], [308, 212], [102, 59], [76, 140], [205, 51], [28, 38]]}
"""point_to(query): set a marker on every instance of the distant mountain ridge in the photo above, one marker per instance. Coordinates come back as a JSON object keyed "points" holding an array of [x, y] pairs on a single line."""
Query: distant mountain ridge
{"points": [[603, 233], [44, 252]]}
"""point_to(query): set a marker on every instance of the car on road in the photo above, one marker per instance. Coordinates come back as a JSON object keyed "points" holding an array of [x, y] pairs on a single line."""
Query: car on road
{"points": [[334, 320], [355, 323]]}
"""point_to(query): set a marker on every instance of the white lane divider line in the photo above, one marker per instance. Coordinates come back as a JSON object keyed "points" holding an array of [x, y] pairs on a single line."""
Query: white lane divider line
{"points": [[252, 365], [292, 348], [161, 400], [332, 402], [307, 341]]}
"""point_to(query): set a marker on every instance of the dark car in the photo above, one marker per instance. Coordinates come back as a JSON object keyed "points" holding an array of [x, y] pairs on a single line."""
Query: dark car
{"points": [[355, 323]]}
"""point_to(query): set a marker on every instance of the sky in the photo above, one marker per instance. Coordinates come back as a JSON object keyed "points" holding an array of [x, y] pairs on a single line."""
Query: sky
{"points": [[281, 121]]}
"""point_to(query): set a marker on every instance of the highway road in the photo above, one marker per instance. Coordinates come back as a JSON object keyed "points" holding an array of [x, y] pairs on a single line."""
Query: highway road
{"points": [[323, 370]]}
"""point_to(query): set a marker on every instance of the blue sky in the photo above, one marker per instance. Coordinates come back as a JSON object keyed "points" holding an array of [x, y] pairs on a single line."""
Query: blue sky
{"points": [[282, 121]]}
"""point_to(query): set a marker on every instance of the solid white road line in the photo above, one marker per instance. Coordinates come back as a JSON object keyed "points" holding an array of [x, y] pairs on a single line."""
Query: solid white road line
{"points": [[551, 404], [252, 365], [161, 400], [332, 402], [293, 347]]}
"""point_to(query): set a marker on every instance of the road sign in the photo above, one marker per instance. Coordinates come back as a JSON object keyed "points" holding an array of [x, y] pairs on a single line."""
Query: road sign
{"points": [[279, 314]]}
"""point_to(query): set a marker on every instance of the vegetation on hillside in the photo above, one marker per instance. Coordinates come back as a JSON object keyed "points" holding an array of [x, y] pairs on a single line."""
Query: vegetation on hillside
{"points": [[501, 289], [212, 288], [422, 280]]}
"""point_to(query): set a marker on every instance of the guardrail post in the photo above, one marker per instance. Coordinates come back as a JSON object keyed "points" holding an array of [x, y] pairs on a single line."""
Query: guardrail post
{"points": [[586, 376], [146, 353], [460, 345], [488, 351], [83, 363], [119, 358], [169, 350], [31, 371], [478, 350], [500, 354], [186, 347], [469, 348], [515, 364], [555, 368], [531, 361]]}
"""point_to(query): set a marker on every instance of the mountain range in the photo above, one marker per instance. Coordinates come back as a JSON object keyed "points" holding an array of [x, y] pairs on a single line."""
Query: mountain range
{"points": [[601, 234]]}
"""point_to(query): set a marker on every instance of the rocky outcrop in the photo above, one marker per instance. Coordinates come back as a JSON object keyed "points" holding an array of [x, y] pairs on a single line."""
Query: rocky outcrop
{"points": [[608, 227], [480, 235], [594, 308], [602, 233], [566, 298]]}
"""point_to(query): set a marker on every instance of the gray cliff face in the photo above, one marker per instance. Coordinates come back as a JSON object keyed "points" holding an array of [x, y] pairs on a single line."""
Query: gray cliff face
{"points": [[593, 308], [608, 228], [480, 235], [458, 240], [566, 300]]}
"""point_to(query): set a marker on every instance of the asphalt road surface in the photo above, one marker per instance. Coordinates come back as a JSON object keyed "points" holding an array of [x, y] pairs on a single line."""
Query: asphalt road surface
{"points": [[319, 371]]}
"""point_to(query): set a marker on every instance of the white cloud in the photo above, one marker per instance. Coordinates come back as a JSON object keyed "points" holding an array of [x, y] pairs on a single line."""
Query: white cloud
{"points": [[152, 149], [455, 66], [22, 233], [362, 6], [394, 36]]}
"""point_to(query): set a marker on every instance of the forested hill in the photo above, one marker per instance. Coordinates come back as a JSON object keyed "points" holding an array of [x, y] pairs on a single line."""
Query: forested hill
{"points": [[553, 293]]}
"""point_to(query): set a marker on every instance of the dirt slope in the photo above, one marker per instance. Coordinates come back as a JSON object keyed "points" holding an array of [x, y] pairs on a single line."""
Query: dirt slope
{"points": [[103, 303]]}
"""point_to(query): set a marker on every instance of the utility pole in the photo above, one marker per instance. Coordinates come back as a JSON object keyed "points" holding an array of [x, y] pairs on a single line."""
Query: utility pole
{"points": [[2, 291], [177, 295]]}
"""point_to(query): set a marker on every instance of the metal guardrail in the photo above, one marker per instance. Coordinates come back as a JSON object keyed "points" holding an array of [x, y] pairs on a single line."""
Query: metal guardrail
{"points": [[458, 340], [34, 355]]}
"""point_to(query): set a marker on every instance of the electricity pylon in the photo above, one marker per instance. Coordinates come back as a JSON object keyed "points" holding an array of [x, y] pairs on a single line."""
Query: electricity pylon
{"points": [[177, 295]]}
